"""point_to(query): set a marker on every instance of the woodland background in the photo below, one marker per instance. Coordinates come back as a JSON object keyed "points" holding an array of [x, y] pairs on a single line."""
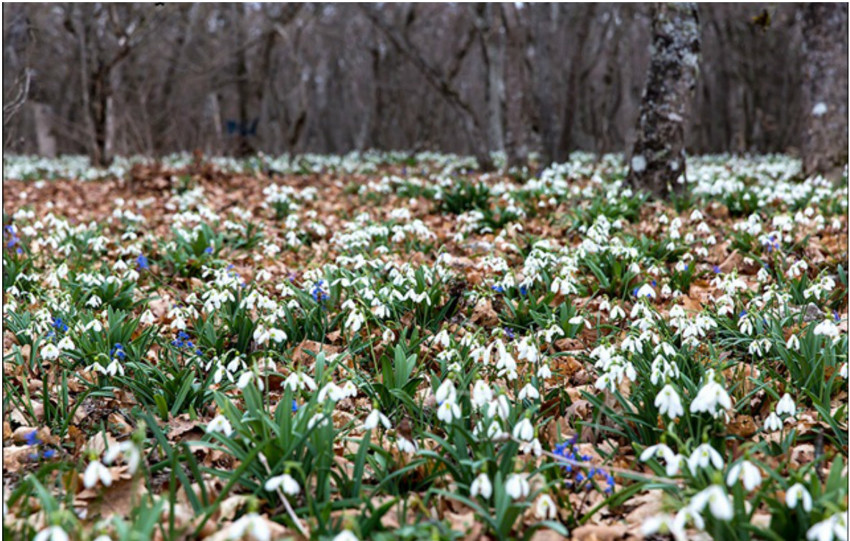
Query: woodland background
{"points": [[107, 79]]}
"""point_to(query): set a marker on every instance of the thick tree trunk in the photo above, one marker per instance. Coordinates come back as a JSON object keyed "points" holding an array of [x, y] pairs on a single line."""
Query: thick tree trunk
{"points": [[658, 157], [825, 89]]}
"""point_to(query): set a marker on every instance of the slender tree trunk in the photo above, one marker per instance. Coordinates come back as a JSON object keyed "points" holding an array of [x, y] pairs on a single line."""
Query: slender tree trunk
{"points": [[825, 89], [658, 157]]}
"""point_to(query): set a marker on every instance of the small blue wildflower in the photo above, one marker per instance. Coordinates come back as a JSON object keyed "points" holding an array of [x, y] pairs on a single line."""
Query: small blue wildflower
{"points": [[50, 453], [716, 269], [654, 283], [498, 289], [208, 250], [523, 291], [32, 438], [509, 333], [634, 292], [142, 262], [294, 406], [742, 314], [836, 316]]}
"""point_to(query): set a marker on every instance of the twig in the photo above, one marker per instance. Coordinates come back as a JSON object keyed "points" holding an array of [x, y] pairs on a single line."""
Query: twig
{"points": [[620, 471], [280, 493]]}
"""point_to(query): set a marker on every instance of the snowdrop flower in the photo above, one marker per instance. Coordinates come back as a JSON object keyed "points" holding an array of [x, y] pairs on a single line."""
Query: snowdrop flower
{"points": [[405, 445], [786, 405], [793, 343], [545, 509], [645, 291], [96, 471], [345, 535], [750, 474], [66, 343], [796, 492], [668, 402], [297, 381], [482, 486], [246, 378], [290, 486], [827, 328], [830, 528], [332, 391], [772, 423], [447, 411], [94, 301], [529, 391], [446, 392], [662, 451], [517, 486], [482, 394], [132, 455], [261, 334], [49, 352], [374, 418], [717, 500], [220, 424], [523, 430], [702, 456], [277, 335], [544, 372], [710, 397], [662, 524], [51, 533], [251, 524]]}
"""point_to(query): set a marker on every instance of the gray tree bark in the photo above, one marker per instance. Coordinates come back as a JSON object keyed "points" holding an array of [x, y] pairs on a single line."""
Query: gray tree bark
{"points": [[658, 157], [825, 89]]}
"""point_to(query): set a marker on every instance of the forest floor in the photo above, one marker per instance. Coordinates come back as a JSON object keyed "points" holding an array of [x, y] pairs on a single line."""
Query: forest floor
{"points": [[381, 347]]}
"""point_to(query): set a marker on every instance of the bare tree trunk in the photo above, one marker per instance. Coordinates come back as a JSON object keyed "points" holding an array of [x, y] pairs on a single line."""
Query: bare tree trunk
{"points": [[825, 89], [541, 37], [658, 157], [492, 39], [44, 137], [565, 145]]}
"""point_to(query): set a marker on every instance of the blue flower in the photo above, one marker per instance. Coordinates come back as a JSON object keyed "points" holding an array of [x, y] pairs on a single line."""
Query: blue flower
{"points": [[50, 453], [208, 250], [294, 406], [836, 316], [523, 291], [498, 289], [32, 438], [716, 269], [142, 262]]}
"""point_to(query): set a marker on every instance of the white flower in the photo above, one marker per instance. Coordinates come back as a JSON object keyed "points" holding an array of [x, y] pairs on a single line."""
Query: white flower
{"points": [[447, 411], [220, 424], [710, 397], [446, 391], [290, 485], [750, 474], [529, 391], [482, 486], [545, 509], [702, 456], [94, 301], [374, 418], [798, 491], [662, 451], [517, 486], [66, 343], [717, 500], [251, 524], [828, 529], [668, 402], [405, 445], [786, 405], [662, 524], [132, 455], [245, 379], [646, 291], [772, 423], [523, 430], [49, 352], [96, 471], [345, 535], [297, 381], [147, 318], [52, 533], [482, 394]]}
